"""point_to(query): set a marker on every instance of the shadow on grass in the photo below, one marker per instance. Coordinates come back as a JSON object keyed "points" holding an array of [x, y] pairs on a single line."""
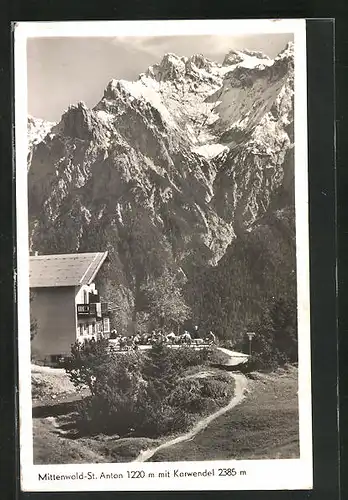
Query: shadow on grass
{"points": [[67, 427], [62, 406], [54, 410], [244, 368]]}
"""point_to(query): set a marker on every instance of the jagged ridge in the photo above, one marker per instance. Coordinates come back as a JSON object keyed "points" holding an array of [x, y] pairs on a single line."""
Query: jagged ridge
{"points": [[184, 159]]}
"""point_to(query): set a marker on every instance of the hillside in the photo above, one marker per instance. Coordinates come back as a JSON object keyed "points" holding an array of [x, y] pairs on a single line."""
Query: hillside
{"points": [[177, 174]]}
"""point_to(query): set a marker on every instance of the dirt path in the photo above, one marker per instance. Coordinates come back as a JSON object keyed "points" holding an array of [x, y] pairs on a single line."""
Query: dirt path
{"points": [[240, 386]]}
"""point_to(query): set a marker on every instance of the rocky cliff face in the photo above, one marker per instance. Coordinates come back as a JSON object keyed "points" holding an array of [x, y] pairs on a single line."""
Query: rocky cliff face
{"points": [[168, 170]]}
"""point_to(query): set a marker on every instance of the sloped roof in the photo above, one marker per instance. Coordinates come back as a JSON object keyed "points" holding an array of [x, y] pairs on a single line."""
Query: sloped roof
{"points": [[72, 269]]}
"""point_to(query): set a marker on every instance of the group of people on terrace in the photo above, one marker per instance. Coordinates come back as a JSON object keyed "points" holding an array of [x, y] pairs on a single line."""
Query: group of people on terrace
{"points": [[160, 337]]}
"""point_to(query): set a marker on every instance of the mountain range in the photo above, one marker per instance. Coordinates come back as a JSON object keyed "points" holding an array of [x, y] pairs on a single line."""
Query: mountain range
{"points": [[188, 170]]}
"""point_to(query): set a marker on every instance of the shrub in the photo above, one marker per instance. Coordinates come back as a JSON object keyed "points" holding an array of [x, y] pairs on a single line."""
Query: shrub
{"points": [[202, 394], [143, 394], [116, 389], [85, 362], [187, 356]]}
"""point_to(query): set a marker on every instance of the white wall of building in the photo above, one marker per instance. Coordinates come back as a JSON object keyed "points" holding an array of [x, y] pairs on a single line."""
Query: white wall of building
{"points": [[87, 326]]}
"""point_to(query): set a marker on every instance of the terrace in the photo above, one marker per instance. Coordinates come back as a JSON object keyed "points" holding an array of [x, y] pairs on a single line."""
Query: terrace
{"points": [[95, 309]]}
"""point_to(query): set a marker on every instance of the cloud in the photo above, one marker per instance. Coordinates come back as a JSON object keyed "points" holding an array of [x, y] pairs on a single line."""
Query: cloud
{"points": [[137, 44], [213, 46]]}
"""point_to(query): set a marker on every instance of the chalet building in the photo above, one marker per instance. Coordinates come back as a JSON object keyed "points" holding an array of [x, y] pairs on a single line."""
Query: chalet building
{"points": [[65, 302]]}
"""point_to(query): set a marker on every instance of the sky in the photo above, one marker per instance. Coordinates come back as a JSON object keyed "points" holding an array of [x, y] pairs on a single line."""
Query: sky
{"points": [[64, 71]]}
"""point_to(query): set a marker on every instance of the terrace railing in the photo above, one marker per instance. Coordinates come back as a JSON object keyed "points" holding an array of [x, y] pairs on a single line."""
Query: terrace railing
{"points": [[97, 309]]}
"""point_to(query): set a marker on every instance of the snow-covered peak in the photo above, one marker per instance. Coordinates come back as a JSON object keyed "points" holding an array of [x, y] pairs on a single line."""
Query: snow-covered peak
{"points": [[232, 57], [170, 68], [201, 104], [144, 93], [38, 129], [249, 90], [255, 53], [251, 57], [287, 52], [176, 88], [201, 62], [175, 68]]}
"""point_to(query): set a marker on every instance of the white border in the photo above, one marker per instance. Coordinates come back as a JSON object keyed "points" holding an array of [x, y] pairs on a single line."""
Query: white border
{"points": [[261, 474]]}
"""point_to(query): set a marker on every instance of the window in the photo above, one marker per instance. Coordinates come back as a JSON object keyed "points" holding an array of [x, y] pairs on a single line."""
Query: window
{"points": [[80, 329], [90, 327], [106, 325], [94, 328]]}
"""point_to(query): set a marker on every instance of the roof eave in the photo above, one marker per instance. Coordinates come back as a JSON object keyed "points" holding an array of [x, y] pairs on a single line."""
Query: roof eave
{"points": [[102, 260]]}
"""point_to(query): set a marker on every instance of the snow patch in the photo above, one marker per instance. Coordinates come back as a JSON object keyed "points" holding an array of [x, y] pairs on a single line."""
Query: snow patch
{"points": [[140, 90], [209, 150], [86, 213], [254, 62], [101, 212], [105, 117], [119, 214], [38, 129]]}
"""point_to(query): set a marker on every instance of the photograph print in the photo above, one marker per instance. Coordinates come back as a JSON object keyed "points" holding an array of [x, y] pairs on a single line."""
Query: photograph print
{"points": [[165, 287]]}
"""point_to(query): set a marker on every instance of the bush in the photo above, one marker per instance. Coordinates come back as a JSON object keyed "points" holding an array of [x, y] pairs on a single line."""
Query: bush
{"points": [[86, 361], [202, 395], [143, 394], [116, 388], [187, 356]]}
